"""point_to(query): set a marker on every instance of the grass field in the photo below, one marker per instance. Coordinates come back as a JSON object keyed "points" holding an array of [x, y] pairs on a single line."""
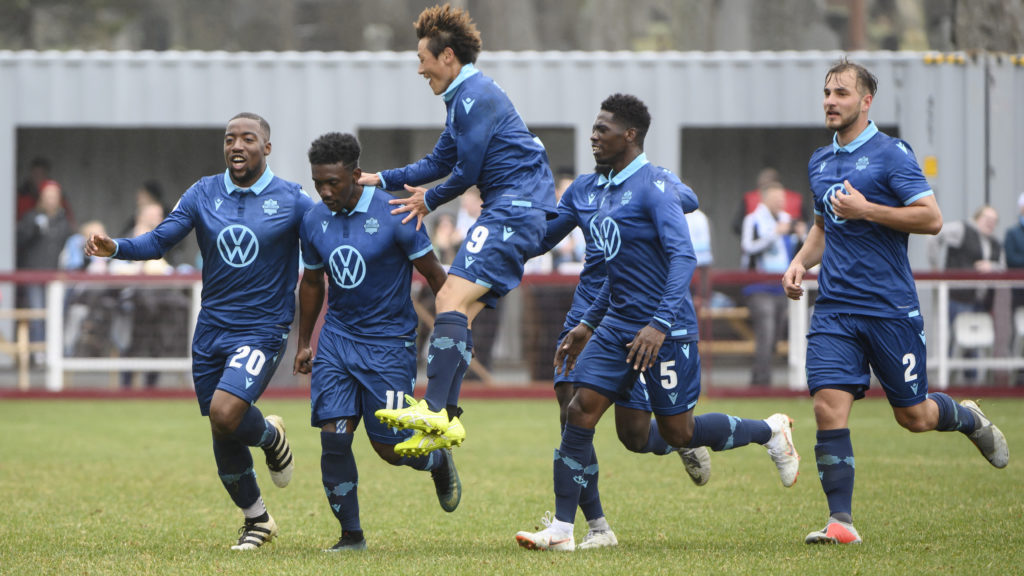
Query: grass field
{"points": [[130, 487]]}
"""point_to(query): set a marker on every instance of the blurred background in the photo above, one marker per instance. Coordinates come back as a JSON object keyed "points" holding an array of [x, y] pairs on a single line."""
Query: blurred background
{"points": [[122, 104]]}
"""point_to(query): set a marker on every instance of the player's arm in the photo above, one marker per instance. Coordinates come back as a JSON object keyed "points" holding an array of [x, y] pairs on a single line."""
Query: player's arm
{"points": [[311, 300], [572, 345], [687, 197], [674, 236], [434, 166], [920, 217], [471, 145], [565, 220], [808, 257], [431, 269], [153, 244]]}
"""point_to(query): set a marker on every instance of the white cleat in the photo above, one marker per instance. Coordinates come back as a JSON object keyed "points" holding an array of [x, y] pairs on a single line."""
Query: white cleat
{"points": [[253, 534], [781, 449], [697, 462], [989, 439], [279, 455], [598, 539], [550, 538]]}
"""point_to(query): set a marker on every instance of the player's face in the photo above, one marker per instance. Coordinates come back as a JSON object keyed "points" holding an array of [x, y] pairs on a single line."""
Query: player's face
{"points": [[608, 139], [337, 186], [245, 151], [438, 70], [844, 104]]}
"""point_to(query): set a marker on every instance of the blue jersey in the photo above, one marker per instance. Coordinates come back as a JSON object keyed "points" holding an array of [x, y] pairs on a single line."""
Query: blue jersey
{"points": [[576, 208], [864, 267], [249, 241], [368, 255], [641, 228], [485, 143]]}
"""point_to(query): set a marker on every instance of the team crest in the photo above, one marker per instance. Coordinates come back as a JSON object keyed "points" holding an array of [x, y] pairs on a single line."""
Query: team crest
{"points": [[371, 226], [862, 162], [626, 197], [270, 207]]}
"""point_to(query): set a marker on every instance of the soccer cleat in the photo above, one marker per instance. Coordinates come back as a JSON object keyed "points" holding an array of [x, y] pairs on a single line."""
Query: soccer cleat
{"points": [[697, 462], [835, 532], [350, 540], [446, 482], [279, 455], [254, 534], [598, 539], [550, 538], [422, 443], [989, 439], [417, 415], [781, 449]]}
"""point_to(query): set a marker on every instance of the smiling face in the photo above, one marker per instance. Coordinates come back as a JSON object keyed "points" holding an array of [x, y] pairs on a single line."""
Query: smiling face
{"points": [[336, 185], [846, 107], [246, 148], [610, 140], [441, 70]]}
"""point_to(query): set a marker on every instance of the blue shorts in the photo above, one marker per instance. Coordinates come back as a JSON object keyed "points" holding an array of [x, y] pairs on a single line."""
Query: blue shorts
{"points": [[237, 361], [497, 246], [673, 383], [842, 349], [638, 397], [354, 379]]}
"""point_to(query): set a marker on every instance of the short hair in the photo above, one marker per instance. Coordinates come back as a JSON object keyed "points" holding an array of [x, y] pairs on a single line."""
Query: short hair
{"points": [[630, 111], [155, 190], [866, 81], [264, 125], [447, 26], [335, 148]]}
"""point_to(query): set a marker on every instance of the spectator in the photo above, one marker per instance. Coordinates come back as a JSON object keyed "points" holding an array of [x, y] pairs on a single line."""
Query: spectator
{"points": [[1014, 248], [90, 310], [700, 237], [794, 205], [768, 244], [28, 190], [41, 235], [446, 239], [969, 245]]}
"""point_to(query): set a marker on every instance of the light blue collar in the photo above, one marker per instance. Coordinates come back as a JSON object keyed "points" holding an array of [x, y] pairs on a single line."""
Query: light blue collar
{"points": [[602, 180], [467, 71], [864, 136], [637, 163], [256, 188], [364, 202]]}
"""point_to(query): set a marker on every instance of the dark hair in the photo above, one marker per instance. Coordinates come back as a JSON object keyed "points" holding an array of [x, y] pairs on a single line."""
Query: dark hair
{"points": [[155, 190], [264, 125], [445, 26], [630, 111], [866, 81], [335, 148]]}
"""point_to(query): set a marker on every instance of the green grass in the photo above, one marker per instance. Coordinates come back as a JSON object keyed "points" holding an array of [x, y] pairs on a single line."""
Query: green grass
{"points": [[130, 487]]}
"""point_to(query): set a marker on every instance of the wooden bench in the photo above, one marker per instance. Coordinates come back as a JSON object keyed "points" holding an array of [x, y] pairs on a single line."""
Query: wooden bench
{"points": [[738, 318], [21, 347]]}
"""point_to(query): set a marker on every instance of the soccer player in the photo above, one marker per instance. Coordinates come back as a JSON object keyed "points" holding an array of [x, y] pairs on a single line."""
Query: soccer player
{"points": [[484, 143], [869, 196], [645, 326], [366, 357], [635, 428], [247, 224]]}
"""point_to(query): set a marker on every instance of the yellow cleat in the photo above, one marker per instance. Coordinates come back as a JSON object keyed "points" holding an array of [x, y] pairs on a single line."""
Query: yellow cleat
{"points": [[422, 443], [416, 416]]}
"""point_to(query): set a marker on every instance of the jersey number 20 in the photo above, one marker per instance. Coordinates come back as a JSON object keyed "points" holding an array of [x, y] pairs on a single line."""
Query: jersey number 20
{"points": [[254, 360]]}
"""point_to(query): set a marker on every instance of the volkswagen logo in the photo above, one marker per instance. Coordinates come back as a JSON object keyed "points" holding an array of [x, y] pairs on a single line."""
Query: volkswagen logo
{"points": [[610, 240], [237, 245], [347, 267], [827, 201]]}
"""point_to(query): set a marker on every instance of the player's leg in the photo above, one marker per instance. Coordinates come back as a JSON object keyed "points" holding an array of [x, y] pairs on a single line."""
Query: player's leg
{"points": [[340, 477], [837, 374], [386, 374], [899, 357], [673, 385]]}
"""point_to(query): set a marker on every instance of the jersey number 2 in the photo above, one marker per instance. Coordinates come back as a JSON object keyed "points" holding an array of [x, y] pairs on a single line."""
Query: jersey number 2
{"points": [[254, 360], [910, 361]]}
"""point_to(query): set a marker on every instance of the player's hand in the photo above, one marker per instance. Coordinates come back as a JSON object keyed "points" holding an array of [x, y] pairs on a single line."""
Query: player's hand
{"points": [[643, 348], [792, 279], [369, 179], [415, 205], [100, 245], [570, 347], [852, 205], [303, 361]]}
